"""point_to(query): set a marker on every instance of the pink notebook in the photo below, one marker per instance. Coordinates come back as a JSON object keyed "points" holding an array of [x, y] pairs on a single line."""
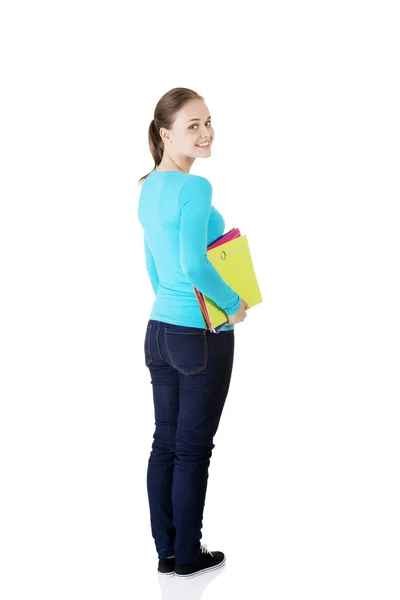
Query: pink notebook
{"points": [[227, 237]]}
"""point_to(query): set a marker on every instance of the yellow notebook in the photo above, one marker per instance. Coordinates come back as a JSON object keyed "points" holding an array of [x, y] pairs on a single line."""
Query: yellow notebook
{"points": [[233, 262]]}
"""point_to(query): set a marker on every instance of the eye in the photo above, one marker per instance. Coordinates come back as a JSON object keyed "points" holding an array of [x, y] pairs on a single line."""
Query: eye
{"points": [[196, 124]]}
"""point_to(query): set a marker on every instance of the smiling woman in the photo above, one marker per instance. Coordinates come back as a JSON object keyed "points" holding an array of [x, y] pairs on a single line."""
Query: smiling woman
{"points": [[190, 366], [180, 132]]}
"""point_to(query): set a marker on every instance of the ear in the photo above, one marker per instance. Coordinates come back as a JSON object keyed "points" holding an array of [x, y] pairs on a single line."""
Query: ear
{"points": [[165, 135]]}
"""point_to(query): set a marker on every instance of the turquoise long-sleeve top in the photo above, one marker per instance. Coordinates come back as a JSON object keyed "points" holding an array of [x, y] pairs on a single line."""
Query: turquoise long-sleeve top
{"points": [[179, 222]]}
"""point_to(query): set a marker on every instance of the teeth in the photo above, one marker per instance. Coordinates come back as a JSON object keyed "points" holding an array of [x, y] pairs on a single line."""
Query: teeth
{"points": [[205, 144]]}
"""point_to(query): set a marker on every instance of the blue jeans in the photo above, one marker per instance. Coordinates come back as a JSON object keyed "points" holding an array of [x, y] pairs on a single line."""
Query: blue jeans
{"points": [[190, 372]]}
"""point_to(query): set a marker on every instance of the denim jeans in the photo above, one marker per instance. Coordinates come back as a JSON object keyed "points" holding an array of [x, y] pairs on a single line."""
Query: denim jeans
{"points": [[190, 372]]}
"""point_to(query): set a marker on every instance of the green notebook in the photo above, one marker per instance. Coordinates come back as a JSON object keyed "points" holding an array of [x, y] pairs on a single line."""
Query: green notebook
{"points": [[233, 262]]}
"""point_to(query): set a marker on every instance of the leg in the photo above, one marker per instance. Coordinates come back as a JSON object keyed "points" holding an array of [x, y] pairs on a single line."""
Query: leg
{"points": [[165, 384], [204, 363]]}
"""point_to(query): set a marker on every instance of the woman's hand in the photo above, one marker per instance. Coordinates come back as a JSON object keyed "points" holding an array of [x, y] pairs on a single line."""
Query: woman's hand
{"points": [[240, 315]]}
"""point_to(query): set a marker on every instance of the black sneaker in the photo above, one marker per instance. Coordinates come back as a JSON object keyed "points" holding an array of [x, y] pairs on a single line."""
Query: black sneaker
{"points": [[166, 567], [207, 561]]}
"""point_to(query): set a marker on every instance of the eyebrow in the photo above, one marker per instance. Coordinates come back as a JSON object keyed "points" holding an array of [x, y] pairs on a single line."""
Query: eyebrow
{"points": [[197, 119]]}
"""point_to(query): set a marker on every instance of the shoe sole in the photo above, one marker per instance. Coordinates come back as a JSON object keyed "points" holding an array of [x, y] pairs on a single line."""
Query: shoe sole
{"points": [[218, 566], [171, 574]]}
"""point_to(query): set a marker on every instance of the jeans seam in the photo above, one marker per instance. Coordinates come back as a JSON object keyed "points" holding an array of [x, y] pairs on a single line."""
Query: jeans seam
{"points": [[148, 339], [157, 339]]}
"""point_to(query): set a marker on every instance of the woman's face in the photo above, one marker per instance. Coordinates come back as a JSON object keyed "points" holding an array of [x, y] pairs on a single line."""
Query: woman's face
{"points": [[192, 126]]}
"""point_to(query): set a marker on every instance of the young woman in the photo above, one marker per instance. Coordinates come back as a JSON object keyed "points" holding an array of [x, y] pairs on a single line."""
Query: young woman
{"points": [[190, 366]]}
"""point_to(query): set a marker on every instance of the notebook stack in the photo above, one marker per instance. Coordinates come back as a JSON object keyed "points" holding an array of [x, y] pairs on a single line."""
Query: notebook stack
{"points": [[230, 255]]}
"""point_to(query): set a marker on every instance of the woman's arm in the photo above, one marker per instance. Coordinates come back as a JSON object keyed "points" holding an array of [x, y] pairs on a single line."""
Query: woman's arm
{"points": [[195, 200]]}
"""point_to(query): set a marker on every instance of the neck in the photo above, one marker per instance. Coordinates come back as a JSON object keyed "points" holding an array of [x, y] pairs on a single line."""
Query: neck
{"points": [[169, 164]]}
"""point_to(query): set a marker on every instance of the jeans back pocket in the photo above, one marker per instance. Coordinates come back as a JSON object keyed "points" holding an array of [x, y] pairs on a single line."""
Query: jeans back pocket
{"points": [[187, 351]]}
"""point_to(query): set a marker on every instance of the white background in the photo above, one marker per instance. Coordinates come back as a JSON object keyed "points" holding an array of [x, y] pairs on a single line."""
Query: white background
{"points": [[303, 493]]}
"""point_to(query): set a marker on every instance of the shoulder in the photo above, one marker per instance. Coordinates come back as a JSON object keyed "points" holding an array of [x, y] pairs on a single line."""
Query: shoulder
{"points": [[196, 185], [201, 180], [195, 195]]}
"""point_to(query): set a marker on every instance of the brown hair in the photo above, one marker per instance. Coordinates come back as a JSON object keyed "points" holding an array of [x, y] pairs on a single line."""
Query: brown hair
{"points": [[164, 116]]}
